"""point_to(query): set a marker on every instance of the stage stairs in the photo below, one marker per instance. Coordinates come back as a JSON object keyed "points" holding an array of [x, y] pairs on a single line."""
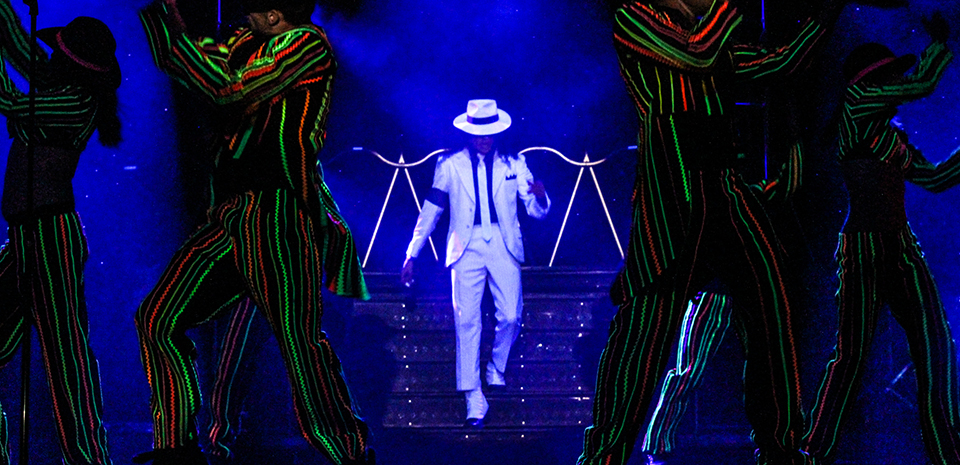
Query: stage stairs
{"points": [[552, 366]]}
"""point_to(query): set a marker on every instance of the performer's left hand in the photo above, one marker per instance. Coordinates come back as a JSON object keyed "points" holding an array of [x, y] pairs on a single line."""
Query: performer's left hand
{"points": [[937, 27], [406, 273], [536, 187], [540, 192]]}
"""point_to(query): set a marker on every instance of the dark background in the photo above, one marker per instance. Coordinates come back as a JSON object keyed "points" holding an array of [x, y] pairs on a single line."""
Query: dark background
{"points": [[407, 68]]}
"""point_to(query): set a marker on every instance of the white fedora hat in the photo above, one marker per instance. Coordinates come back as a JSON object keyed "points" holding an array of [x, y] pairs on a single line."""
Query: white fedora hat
{"points": [[483, 118]]}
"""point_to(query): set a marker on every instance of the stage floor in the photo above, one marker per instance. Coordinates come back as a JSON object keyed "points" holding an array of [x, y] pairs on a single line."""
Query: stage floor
{"points": [[485, 447]]}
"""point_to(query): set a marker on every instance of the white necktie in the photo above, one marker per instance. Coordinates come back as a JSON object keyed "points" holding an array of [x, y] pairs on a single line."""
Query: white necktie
{"points": [[484, 201]]}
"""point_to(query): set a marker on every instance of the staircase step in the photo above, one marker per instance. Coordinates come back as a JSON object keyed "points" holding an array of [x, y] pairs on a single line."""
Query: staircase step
{"points": [[449, 411], [549, 387], [540, 311], [560, 378], [439, 346], [535, 279]]}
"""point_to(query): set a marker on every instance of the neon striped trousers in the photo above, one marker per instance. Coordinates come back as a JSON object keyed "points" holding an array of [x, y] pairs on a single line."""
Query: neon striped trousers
{"points": [[227, 394], [41, 279], [877, 268], [728, 235], [705, 324], [261, 245]]}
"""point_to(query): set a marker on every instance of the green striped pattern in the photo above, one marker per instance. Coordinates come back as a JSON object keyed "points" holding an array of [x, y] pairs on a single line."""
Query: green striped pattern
{"points": [[729, 234], [934, 177], [773, 193], [704, 326], [687, 224], [258, 245], [64, 114], [877, 268], [887, 267], [15, 40], [292, 58], [670, 70], [281, 87], [48, 256], [868, 108]]}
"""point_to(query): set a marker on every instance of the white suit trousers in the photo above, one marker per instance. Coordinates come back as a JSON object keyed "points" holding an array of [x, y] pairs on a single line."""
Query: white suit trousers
{"points": [[481, 262]]}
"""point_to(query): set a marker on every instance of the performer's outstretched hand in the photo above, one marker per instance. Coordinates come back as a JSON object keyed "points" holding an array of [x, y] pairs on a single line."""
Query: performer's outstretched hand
{"points": [[540, 192], [406, 274], [937, 27], [537, 189]]}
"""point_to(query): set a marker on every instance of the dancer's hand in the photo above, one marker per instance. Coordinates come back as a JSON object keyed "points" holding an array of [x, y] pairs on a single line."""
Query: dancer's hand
{"points": [[937, 27], [537, 189], [406, 274]]}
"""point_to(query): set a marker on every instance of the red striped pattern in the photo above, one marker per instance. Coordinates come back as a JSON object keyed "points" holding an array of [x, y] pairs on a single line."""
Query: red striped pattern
{"points": [[262, 246], [728, 233]]}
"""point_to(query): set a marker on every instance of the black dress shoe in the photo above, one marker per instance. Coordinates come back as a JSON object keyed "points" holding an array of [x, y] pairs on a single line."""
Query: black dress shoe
{"points": [[474, 423]]}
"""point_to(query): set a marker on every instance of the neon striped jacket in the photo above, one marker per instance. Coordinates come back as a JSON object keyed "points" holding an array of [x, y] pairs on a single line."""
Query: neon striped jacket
{"points": [[670, 71], [868, 108], [877, 157], [279, 89], [64, 114]]}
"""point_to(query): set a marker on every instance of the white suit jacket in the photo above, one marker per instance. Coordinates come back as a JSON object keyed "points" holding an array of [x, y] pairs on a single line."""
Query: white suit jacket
{"points": [[454, 178]]}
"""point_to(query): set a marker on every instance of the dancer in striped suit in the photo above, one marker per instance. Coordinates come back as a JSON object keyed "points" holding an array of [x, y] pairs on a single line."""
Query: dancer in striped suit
{"points": [[272, 232], [41, 264], [694, 217], [705, 324], [879, 259]]}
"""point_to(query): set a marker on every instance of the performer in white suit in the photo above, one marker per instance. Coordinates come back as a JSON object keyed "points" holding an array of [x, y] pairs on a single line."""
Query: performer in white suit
{"points": [[484, 243]]}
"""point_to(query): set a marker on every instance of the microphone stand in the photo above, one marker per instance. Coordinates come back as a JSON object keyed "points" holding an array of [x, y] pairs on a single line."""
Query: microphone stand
{"points": [[25, 350]]}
